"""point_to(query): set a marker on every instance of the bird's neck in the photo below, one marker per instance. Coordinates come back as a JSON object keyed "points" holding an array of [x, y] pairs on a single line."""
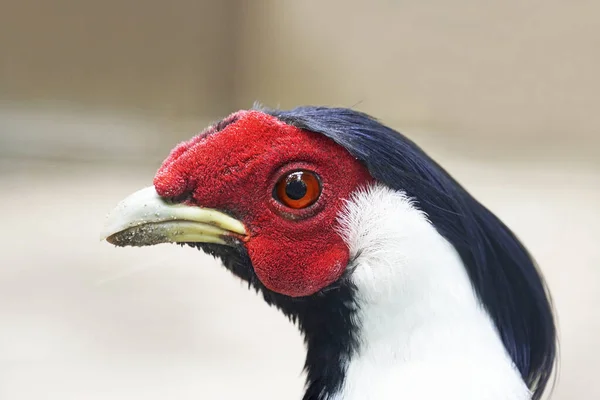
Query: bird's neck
{"points": [[415, 328]]}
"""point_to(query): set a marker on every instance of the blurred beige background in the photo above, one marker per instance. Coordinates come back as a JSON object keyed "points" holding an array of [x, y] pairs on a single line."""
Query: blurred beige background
{"points": [[93, 94]]}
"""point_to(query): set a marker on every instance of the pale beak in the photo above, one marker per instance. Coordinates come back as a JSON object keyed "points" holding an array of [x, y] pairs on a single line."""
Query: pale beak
{"points": [[146, 219]]}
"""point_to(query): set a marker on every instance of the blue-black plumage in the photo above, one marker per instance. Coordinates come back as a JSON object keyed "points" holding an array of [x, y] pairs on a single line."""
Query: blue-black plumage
{"points": [[402, 283], [501, 269]]}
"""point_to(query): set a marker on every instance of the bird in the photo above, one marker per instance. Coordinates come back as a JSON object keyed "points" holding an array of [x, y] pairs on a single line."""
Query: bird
{"points": [[403, 285]]}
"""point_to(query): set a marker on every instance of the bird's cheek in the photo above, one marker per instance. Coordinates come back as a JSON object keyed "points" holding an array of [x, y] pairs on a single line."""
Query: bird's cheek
{"points": [[298, 269]]}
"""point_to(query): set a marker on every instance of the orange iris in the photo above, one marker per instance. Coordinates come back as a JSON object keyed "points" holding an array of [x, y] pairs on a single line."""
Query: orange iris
{"points": [[298, 189]]}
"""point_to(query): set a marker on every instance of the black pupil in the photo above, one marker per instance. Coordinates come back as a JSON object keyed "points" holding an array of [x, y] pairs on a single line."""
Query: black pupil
{"points": [[295, 188]]}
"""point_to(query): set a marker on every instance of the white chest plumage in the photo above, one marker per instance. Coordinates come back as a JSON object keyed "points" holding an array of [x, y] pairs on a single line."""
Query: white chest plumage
{"points": [[423, 333]]}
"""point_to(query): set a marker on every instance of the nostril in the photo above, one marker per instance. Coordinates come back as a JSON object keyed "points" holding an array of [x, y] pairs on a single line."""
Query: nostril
{"points": [[183, 198]]}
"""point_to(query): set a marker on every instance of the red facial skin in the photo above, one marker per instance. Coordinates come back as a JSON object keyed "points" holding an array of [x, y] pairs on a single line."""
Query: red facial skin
{"points": [[294, 252]]}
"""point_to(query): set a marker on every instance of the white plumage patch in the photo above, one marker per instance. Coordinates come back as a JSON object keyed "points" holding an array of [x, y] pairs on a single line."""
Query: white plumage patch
{"points": [[423, 333]]}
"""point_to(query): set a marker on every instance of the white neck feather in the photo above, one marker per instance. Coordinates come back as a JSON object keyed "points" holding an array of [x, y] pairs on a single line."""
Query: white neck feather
{"points": [[423, 332]]}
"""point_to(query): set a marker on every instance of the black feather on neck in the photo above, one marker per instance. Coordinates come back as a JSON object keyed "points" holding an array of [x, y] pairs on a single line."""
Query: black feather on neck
{"points": [[326, 319]]}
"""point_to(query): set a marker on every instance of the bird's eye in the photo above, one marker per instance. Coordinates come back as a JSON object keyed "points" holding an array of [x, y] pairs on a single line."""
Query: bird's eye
{"points": [[298, 189]]}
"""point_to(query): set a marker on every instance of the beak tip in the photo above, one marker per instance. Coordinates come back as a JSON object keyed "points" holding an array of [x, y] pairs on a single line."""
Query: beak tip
{"points": [[105, 234]]}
